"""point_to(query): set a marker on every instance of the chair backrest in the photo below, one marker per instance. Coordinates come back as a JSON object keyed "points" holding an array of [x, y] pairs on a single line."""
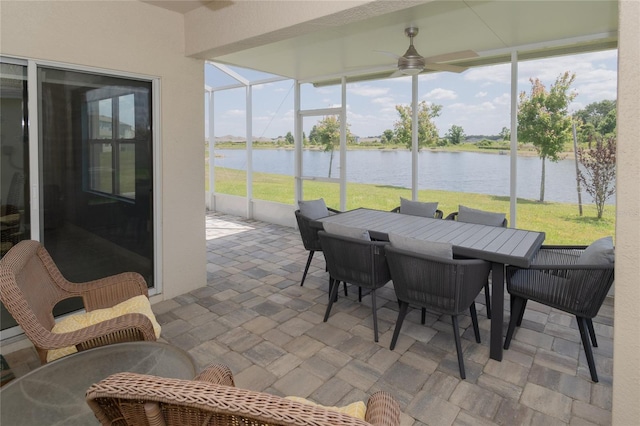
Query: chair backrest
{"points": [[29, 286], [446, 285], [136, 399], [558, 279], [355, 261], [438, 215], [454, 216], [308, 233]]}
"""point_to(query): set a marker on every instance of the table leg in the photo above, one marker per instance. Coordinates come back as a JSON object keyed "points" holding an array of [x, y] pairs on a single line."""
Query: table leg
{"points": [[497, 310]]}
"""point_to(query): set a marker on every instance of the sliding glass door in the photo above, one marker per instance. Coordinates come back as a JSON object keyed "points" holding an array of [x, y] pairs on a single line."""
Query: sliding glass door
{"points": [[95, 172]]}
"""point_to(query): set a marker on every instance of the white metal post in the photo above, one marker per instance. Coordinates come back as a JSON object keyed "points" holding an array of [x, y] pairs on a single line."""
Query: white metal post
{"points": [[414, 137], [249, 118], [297, 131], [343, 147], [513, 193], [212, 150]]}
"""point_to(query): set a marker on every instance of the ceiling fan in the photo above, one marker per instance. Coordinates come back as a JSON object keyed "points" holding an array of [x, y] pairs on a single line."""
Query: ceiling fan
{"points": [[412, 63]]}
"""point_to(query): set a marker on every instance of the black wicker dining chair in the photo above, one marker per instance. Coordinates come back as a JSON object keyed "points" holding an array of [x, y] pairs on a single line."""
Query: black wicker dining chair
{"points": [[446, 286], [565, 278], [309, 236], [358, 262], [469, 215]]}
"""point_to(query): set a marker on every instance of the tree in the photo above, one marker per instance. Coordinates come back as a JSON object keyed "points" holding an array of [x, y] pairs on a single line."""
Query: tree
{"points": [[289, 138], [543, 119], [595, 112], [455, 135], [608, 124], [313, 135], [505, 134], [427, 130], [327, 133], [596, 120], [598, 174], [387, 136]]}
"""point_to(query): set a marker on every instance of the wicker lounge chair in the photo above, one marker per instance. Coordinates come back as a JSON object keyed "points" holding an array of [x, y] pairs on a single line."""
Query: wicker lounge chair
{"points": [[480, 216], [31, 285], [212, 399], [358, 262], [446, 286], [558, 279]]}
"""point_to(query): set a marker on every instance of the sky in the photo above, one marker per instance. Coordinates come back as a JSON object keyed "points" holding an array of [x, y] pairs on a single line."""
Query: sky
{"points": [[478, 99]]}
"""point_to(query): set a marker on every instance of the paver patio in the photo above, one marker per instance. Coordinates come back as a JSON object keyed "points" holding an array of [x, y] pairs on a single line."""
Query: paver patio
{"points": [[254, 316]]}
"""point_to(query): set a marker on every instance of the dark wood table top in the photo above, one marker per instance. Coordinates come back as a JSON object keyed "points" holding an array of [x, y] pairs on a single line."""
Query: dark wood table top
{"points": [[496, 244]]}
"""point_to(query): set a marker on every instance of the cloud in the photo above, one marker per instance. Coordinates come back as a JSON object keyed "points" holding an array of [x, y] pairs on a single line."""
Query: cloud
{"points": [[385, 100], [368, 90], [481, 94], [235, 112], [440, 94], [504, 99], [489, 74]]}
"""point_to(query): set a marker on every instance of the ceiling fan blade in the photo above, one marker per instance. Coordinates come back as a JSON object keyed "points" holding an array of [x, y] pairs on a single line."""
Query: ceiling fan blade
{"points": [[384, 52], [398, 73], [444, 67], [453, 56]]}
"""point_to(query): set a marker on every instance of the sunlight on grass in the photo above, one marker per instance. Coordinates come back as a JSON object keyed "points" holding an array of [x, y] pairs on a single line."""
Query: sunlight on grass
{"points": [[560, 221]]}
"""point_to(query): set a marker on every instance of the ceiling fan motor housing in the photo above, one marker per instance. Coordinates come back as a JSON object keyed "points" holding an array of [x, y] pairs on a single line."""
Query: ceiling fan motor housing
{"points": [[411, 62]]}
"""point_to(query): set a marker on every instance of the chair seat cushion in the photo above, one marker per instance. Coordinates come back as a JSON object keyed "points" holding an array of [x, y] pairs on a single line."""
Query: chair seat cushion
{"points": [[480, 217], [355, 409], [138, 304], [600, 252], [417, 208], [430, 248], [313, 209]]}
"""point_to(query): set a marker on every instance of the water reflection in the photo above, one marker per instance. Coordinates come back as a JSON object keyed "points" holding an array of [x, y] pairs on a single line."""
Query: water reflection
{"points": [[449, 171]]}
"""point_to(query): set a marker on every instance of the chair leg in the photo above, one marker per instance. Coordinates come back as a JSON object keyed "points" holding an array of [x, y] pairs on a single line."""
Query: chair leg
{"points": [[375, 315], [333, 286], [360, 294], [423, 316], [404, 307], [456, 336], [333, 282], [487, 299], [586, 344], [521, 314], [592, 333], [474, 321], [306, 268], [345, 289], [517, 307]]}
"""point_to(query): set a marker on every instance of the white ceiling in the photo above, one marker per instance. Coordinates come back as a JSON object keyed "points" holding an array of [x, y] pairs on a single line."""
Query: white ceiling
{"points": [[491, 28]]}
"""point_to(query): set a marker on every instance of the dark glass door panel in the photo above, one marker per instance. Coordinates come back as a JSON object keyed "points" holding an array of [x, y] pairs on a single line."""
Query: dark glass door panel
{"points": [[96, 174], [14, 168]]}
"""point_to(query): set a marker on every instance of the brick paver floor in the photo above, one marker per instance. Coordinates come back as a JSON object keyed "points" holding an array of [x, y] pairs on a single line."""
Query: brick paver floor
{"points": [[254, 316]]}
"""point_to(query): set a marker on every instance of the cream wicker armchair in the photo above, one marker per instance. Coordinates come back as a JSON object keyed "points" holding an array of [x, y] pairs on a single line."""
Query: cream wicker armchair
{"points": [[31, 285], [212, 399]]}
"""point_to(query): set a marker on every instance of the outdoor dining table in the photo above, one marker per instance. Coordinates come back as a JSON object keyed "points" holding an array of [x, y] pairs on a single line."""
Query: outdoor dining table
{"points": [[498, 245]]}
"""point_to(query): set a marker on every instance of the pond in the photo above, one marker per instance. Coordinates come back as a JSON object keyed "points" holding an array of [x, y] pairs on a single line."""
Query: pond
{"points": [[475, 172]]}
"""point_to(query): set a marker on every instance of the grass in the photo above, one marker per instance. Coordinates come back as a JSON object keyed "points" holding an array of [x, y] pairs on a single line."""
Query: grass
{"points": [[560, 221]]}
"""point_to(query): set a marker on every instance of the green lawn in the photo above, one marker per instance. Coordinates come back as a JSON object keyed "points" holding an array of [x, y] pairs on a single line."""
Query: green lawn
{"points": [[561, 222]]}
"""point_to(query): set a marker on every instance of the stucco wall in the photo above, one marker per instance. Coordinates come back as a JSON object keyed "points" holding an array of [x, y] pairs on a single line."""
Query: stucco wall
{"points": [[626, 353], [131, 36]]}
